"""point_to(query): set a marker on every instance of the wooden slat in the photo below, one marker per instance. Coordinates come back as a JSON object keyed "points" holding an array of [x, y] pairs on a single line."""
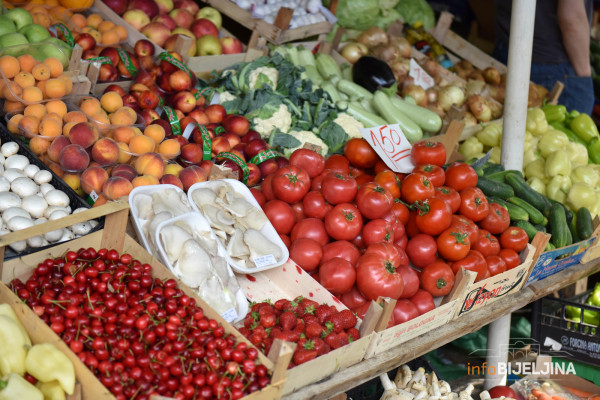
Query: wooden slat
{"points": [[280, 355]]}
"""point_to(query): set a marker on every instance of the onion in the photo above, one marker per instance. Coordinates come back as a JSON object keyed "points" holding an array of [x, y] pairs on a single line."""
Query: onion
{"points": [[491, 76], [479, 107], [435, 107], [464, 64], [402, 44], [432, 68], [496, 109], [373, 37], [469, 119], [400, 67], [475, 86], [476, 75], [387, 53], [416, 92], [352, 52], [451, 95], [498, 93], [432, 95]]}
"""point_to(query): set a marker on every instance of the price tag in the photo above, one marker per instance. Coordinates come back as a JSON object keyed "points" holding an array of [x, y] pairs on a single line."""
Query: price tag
{"points": [[92, 198], [391, 145], [421, 77], [230, 315], [264, 261]]}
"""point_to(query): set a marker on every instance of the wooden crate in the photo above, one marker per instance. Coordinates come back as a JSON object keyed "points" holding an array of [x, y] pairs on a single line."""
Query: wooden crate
{"points": [[113, 236]]}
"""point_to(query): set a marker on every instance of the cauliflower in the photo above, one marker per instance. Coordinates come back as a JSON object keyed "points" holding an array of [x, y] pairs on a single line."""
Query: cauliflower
{"points": [[307, 137], [281, 119], [226, 96], [349, 124], [271, 75]]}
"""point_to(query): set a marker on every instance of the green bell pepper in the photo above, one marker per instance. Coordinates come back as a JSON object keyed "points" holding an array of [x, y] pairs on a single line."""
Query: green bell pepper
{"points": [[471, 147], [537, 184], [593, 149], [555, 113], [13, 386], [490, 135], [584, 127], [561, 126], [536, 169]]}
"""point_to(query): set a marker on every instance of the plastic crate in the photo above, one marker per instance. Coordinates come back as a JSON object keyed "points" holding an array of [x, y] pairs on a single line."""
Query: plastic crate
{"points": [[559, 336]]}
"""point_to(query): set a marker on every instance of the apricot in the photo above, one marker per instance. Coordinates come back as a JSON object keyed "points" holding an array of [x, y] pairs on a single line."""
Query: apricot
{"points": [[90, 106], [55, 88], [56, 67], [169, 149], [67, 81], [24, 79], [74, 182], [124, 153], [156, 132], [57, 106], [74, 116], [55, 117], [79, 20], [67, 127], [116, 187], [41, 72], [105, 152], [141, 144], [35, 110], [123, 116], [109, 38], [173, 169], [13, 123], [27, 62], [50, 128], [10, 66], [38, 145], [123, 134], [111, 101], [12, 92], [121, 31], [145, 180], [92, 179], [105, 26], [94, 20], [150, 164], [13, 106], [33, 94], [29, 125]]}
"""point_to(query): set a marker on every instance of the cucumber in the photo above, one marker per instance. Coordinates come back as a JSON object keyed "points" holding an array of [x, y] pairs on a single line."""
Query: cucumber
{"points": [[585, 228], [573, 230], [568, 213], [426, 119], [495, 189], [535, 216], [516, 213], [569, 236], [527, 227], [327, 66], [550, 247], [540, 228], [353, 90], [393, 115], [369, 120], [558, 225], [525, 192], [492, 169]]}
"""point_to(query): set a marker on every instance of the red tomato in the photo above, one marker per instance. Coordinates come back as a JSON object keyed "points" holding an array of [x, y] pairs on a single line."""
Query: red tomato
{"points": [[411, 227], [281, 215], [390, 252], [311, 228], [373, 200], [338, 163], [460, 176], [402, 243], [474, 204], [450, 196], [286, 240], [453, 244], [416, 187], [258, 196], [434, 173], [359, 242], [298, 209], [423, 300], [307, 253], [437, 278], [339, 188], [389, 180], [377, 230], [410, 277], [497, 220], [487, 244], [356, 172], [378, 277], [404, 310], [315, 205], [467, 225], [428, 152], [380, 166], [308, 160], [353, 298], [364, 178], [397, 225], [496, 265], [475, 262], [290, 184], [342, 249], [433, 216], [337, 275], [514, 238], [266, 187], [343, 222], [317, 182], [510, 257], [502, 391], [421, 250], [360, 153]]}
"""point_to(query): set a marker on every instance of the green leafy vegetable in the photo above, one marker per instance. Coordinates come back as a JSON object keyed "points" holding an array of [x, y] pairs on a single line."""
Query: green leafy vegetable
{"points": [[416, 10]]}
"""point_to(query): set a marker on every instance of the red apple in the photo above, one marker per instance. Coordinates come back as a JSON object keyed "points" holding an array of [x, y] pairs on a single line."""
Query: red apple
{"points": [[231, 45], [148, 100], [118, 6], [187, 5], [183, 18], [144, 77], [180, 80], [149, 7], [166, 20], [236, 124], [254, 175], [115, 88], [92, 53], [136, 18], [184, 101], [86, 41], [143, 47], [212, 14], [107, 73], [147, 63], [149, 116], [164, 6], [131, 101], [254, 147], [203, 26], [157, 32], [250, 136], [112, 53]]}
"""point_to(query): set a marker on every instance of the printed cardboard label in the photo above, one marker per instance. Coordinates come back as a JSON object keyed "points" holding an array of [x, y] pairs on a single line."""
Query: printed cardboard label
{"points": [[551, 262], [391, 145]]}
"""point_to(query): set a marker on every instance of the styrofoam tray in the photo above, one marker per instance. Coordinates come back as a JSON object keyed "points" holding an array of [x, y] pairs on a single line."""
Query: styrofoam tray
{"points": [[199, 223], [267, 230]]}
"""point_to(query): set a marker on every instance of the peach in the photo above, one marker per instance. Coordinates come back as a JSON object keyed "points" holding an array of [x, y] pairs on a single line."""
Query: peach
{"points": [[124, 171], [105, 152], [145, 180], [150, 164], [124, 154], [155, 132], [173, 169], [39, 145], [83, 134], [92, 179], [190, 175], [171, 180], [100, 201], [123, 134], [73, 158], [56, 147], [192, 153], [116, 187]]}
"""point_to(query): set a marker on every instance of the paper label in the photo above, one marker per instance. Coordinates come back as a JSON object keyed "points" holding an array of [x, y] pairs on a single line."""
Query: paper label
{"points": [[91, 198], [421, 77], [264, 261], [230, 315], [391, 145]]}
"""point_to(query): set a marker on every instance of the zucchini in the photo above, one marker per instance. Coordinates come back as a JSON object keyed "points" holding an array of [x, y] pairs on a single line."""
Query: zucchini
{"points": [[347, 72], [535, 216], [393, 115], [367, 105], [585, 228], [426, 119], [369, 120], [495, 189], [558, 225], [327, 66], [333, 92], [527, 227], [524, 191], [492, 169], [353, 90], [313, 75], [306, 57], [292, 54], [516, 213]]}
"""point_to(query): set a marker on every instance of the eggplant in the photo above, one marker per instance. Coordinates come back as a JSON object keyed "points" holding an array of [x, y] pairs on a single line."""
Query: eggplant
{"points": [[372, 73]]}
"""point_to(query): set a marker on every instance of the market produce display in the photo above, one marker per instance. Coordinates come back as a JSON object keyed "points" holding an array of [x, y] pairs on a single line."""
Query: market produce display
{"points": [[589, 317]]}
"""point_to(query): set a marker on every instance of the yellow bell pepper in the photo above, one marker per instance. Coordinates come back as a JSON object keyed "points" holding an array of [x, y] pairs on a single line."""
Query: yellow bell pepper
{"points": [[471, 148], [530, 156], [558, 187], [553, 140], [490, 135], [7, 310], [585, 174], [595, 209], [47, 363], [557, 163], [578, 154], [14, 387], [581, 195], [495, 156], [537, 184], [536, 169], [12, 347], [51, 390], [536, 121]]}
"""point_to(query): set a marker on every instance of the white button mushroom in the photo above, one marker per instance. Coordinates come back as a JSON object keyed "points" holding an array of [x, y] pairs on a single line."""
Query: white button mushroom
{"points": [[42, 176], [12, 212], [35, 241], [24, 186], [81, 228], [8, 149], [4, 184], [31, 170], [18, 223], [45, 187], [19, 246], [51, 209], [57, 198], [58, 214], [53, 236], [67, 235], [13, 173], [16, 161], [8, 200], [35, 205]]}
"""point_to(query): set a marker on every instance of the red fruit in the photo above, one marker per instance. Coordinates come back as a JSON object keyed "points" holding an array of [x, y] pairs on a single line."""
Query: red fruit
{"points": [[287, 320], [305, 354], [353, 333], [313, 330], [323, 311], [348, 318], [336, 321]]}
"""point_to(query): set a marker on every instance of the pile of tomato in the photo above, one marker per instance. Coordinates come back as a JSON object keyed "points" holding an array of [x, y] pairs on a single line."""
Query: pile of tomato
{"points": [[364, 231]]}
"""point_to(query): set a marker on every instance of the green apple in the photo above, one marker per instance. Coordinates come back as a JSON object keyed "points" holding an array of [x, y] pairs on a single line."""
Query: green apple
{"points": [[12, 39], [20, 17], [6, 25], [58, 49], [208, 45], [211, 14], [35, 33]]}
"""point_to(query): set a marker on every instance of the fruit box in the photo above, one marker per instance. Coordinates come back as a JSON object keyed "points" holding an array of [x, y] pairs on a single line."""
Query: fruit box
{"points": [[113, 236], [289, 281]]}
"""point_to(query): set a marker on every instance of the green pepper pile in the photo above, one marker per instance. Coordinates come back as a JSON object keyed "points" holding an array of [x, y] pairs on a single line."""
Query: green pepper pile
{"points": [[590, 317]]}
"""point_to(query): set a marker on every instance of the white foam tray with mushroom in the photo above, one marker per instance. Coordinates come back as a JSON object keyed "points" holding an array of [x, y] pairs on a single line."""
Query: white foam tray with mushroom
{"points": [[189, 248], [240, 224]]}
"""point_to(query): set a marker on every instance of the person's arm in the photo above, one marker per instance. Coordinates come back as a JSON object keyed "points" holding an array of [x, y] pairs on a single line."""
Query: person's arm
{"points": [[575, 29]]}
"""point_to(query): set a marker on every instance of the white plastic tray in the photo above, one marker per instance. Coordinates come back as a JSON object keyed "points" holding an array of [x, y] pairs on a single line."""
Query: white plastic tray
{"points": [[199, 223], [268, 230]]}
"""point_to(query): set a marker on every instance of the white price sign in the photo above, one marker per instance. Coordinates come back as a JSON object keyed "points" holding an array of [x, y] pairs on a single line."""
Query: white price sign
{"points": [[421, 77], [391, 145]]}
